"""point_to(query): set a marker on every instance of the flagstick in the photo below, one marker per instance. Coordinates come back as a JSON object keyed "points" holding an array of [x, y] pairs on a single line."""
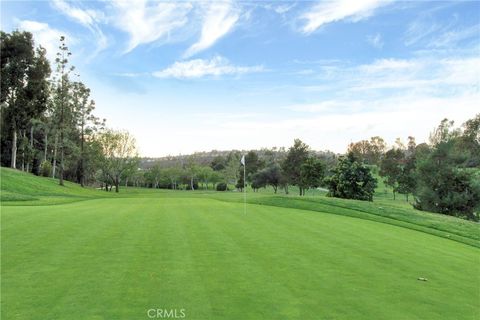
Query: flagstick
{"points": [[244, 189]]}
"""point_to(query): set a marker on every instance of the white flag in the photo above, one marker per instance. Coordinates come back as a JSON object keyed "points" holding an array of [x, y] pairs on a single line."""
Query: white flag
{"points": [[243, 160]]}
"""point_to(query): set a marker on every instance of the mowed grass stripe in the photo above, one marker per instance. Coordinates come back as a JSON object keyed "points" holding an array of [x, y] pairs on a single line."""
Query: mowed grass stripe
{"points": [[115, 258]]}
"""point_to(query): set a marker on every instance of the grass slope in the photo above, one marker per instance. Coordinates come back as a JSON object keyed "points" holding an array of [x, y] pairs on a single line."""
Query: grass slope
{"points": [[17, 186]]}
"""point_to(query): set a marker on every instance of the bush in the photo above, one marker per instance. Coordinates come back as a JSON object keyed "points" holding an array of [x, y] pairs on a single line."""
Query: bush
{"points": [[222, 186], [46, 169]]}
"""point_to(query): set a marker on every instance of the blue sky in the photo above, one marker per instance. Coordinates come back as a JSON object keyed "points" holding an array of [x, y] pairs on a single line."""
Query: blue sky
{"points": [[193, 76]]}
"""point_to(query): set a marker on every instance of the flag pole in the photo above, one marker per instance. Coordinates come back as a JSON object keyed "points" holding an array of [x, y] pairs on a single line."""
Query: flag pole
{"points": [[244, 188]]}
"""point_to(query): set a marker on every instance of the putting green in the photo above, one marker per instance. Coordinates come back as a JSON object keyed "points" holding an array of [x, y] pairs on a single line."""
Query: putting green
{"points": [[119, 258]]}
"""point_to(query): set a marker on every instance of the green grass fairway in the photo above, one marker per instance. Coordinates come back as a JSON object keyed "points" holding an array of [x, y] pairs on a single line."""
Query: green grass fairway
{"points": [[115, 258]]}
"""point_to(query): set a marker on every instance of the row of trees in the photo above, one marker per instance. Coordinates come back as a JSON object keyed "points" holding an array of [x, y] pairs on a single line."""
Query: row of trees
{"points": [[47, 121]]}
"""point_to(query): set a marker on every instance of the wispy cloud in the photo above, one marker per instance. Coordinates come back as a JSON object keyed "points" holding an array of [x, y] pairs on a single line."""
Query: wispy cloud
{"points": [[429, 32], [284, 8], [149, 22], [452, 37], [218, 19], [198, 68], [46, 36], [419, 29], [89, 18], [328, 127], [387, 66], [331, 11], [375, 40], [432, 75]]}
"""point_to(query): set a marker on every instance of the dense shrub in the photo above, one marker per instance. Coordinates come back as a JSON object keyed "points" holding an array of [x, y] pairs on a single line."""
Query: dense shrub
{"points": [[222, 186]]}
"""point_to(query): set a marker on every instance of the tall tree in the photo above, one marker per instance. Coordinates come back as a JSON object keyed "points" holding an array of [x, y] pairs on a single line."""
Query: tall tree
{"points": [[391, 168], [24, 86], [191, 169], [86, 122], [292, 165], [312, 173], [63, 105], [445, 182]]}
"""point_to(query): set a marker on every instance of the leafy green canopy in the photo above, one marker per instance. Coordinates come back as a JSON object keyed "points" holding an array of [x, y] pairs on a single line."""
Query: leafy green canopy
{"points": [[351, 179], [446, 182]]}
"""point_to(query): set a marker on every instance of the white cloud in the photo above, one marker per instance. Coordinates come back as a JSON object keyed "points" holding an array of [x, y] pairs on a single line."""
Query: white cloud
{"points": [[420, 29], [88, 18], [387, 65], [218, 19], [46, 36], [284, 8], [327, 106], [449, 38], [330, 128], [146, 23], [198, 68], [432, 33], [431, 75], [331, 11], [388, 97], [375, 40]]}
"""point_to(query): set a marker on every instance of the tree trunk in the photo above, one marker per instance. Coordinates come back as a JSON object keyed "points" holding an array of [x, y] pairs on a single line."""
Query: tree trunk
{"points": [[394, 195], [55, 147], [62, 156], [191, 184], [13, 162], [82, 173], [62, 124], [31, 149], [22, 133], [45, 150]]}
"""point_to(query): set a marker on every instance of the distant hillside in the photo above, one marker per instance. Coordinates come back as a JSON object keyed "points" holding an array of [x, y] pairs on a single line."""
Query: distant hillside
{"points": [[205, 158]]}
